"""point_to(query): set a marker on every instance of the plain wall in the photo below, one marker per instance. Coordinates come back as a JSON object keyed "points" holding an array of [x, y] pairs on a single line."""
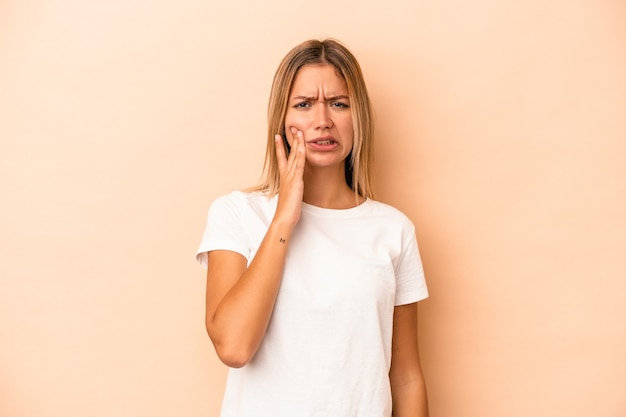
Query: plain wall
{"points": [[501, 132]]}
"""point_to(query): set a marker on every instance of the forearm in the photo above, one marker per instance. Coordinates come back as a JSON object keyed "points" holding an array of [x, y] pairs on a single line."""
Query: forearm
{"points": [[409, 399], [238, 323], [408, 389], [240, 301]]}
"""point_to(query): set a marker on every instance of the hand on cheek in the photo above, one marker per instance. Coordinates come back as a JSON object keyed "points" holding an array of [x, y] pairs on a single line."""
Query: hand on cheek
{"points": [[294, 134]]}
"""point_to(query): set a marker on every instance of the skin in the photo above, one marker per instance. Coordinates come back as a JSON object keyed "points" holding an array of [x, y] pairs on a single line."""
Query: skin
{"points": [[240, 299], [319, 107]]}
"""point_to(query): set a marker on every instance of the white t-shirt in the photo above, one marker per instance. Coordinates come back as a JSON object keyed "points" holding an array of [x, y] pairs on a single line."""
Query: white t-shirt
{"points": [[327, 350]]}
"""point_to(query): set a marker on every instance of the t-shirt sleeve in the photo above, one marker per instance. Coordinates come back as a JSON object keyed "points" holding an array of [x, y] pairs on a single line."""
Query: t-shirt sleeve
{"points": [[410, 280], [223, 229]]}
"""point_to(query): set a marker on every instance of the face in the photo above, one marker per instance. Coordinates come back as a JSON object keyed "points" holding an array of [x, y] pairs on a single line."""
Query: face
{"points": [[319, 107]]}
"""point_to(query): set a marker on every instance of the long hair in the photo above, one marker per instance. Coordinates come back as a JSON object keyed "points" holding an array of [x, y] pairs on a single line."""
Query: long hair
{"points": [[358, 164]]}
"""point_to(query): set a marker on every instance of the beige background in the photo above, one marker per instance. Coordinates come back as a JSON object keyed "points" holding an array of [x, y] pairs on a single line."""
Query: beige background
{"points": [[501, 133]]}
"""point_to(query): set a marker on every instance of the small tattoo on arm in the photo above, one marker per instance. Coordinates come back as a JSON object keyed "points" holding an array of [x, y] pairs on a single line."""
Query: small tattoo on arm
{"points": [[282, 240]]}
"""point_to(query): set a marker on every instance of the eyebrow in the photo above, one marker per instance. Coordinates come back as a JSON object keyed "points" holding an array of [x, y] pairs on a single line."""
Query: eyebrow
{"points": [[339, 97]]}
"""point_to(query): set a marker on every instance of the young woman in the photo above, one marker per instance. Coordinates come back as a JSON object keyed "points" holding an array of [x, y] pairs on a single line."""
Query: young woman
{"points": [[312, 285]]}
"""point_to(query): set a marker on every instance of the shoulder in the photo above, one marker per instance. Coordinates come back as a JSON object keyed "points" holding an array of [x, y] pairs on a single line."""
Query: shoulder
{"points": [[389, 213], [243, 204], [244, 199]]}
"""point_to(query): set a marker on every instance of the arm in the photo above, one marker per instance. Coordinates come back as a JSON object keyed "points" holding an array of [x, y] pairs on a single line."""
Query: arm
{"points": [[408, 388], [240, 299]]}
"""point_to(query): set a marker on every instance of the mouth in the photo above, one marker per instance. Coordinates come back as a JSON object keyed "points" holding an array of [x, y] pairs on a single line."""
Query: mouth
{"points": [[325, 141], [323, 144]]}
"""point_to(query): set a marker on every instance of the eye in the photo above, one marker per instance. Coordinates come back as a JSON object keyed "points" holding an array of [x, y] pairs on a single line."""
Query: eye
{"points": [[302, 105], [340, 104]]}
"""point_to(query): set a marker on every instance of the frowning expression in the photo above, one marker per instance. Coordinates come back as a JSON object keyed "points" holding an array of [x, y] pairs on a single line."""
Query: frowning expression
{"points": [[319, 107]]}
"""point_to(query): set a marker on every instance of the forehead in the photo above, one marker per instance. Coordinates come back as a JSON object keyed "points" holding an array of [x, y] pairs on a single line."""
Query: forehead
{"points": [[312, 78]]}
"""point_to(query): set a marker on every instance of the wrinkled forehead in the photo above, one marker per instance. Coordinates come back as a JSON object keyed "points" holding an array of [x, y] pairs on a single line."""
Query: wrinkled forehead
{"points": [[311, 79]]}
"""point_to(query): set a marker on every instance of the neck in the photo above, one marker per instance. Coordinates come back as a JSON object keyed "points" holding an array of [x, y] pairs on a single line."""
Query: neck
{"points": [[327, 188]]}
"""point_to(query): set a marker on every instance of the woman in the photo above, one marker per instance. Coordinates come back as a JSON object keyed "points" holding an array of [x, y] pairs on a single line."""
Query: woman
{"points": [[311, 284]]}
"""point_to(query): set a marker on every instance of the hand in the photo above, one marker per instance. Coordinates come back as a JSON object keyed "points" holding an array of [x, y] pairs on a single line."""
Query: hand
{"points": [[291, 169]]}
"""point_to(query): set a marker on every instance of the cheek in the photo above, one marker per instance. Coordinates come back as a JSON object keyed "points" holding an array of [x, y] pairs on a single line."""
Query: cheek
{"points": [[294, 120], [346, 128]]}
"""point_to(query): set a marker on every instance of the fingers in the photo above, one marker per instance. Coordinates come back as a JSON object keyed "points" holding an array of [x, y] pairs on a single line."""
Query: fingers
{"points": [[297, 145], [291, 170], [299, 148], [281, 155], [296, 158]]}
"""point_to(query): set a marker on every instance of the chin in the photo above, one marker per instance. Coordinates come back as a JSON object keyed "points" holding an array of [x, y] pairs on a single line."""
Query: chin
{"points": [[325, 164]]}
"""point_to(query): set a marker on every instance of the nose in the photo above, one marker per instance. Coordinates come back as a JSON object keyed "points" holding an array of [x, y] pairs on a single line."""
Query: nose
{"points": [[323, 118]]}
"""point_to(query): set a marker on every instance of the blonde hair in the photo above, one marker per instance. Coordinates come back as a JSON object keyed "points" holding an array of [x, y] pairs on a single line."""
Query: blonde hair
{"points": [[358, 164]]}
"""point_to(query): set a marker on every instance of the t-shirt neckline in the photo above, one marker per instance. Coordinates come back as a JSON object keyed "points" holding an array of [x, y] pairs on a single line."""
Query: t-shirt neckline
{"points": [[328, 212]]}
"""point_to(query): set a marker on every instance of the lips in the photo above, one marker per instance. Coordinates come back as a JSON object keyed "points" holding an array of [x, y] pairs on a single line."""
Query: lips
{"points": [[323, 141], [323, 144]]}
